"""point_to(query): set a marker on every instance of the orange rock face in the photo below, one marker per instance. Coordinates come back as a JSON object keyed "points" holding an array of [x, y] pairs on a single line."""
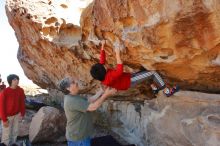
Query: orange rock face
{"points": [[180, 39]]}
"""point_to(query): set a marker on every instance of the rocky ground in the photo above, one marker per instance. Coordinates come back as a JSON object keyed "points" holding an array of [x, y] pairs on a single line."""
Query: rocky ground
{"points": [[187, 118]]}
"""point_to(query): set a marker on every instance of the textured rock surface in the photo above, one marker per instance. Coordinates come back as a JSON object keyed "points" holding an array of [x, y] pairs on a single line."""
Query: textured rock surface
{"points": [[178, 38], [48, 125], [186, 119]]}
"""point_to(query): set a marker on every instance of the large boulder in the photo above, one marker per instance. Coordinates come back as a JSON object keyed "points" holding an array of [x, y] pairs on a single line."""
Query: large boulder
{"points": [[48, 125], [186, 119], [178, 39]]}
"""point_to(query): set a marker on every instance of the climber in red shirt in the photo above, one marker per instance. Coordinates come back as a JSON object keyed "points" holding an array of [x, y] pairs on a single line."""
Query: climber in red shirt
{"points": [[120, 80], [12, 108]]}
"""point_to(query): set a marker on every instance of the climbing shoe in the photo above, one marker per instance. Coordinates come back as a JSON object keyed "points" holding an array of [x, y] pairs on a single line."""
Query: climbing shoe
{"points": [[170, 91]]}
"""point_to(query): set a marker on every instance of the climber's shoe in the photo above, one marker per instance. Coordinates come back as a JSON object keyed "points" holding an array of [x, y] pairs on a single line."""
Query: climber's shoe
{"points": [[170, 91]]}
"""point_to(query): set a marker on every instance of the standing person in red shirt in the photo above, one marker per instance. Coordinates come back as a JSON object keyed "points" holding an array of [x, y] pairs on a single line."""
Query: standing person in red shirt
{"points": [[0, 78], [120, 80], [12, 108], [2, 86]]}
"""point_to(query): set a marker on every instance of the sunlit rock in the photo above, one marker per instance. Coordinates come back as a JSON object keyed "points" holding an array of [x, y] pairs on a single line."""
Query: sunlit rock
{"points": [[185, 119], [178, 39]]}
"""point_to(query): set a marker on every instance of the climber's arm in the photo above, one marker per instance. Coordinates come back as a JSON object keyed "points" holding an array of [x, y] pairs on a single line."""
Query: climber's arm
{"points": [[102, 54], [118, 71], [118, 56]]}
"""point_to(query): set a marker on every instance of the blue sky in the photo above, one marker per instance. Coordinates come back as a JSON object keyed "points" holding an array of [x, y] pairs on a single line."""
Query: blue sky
{"points": [[8, 52]]}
